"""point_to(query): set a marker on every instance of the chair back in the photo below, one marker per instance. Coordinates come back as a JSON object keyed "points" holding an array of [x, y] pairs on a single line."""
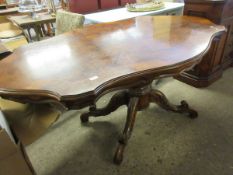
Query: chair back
{"points": [[67, 21]]}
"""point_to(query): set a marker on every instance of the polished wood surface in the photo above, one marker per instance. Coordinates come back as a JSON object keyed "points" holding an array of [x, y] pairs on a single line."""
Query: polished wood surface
{"points": [[87, 59], [220, 56], [75, 69]]}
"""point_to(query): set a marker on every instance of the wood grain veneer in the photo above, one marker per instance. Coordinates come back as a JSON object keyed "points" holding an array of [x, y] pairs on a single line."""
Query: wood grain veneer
{"points": [[82, 61]]}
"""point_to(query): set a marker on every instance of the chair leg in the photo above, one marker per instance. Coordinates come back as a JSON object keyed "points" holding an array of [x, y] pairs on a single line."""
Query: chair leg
{"points": [[43, 30], [29, 34]]}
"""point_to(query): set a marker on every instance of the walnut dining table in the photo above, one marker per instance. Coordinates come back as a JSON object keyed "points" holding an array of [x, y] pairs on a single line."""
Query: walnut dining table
{"points": [[75, 69]]}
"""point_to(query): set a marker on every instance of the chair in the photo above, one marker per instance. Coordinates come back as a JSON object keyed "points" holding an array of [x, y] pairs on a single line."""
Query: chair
{"points": [[66, 21], [29, 121], [3, 19], [11, 37]]}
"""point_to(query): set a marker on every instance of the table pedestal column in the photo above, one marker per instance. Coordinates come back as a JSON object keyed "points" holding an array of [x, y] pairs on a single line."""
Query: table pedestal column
{"points": [[136, 100]]}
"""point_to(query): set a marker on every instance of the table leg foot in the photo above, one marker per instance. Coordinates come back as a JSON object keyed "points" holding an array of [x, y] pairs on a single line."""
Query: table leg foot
{"points": [[119, 99], [159, 98], [131, 115], [118, 157], [84, 117]]}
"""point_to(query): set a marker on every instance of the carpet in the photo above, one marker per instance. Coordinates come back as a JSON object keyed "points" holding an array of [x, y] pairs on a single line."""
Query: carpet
{"points": [[162, 143]]}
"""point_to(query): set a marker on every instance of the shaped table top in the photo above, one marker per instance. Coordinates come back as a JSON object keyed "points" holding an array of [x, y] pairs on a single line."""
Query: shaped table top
{"points": [[94, 57]]}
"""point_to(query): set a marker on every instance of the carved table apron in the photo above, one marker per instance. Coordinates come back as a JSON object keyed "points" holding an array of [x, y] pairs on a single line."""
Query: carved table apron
{"points": [[75, 69]]}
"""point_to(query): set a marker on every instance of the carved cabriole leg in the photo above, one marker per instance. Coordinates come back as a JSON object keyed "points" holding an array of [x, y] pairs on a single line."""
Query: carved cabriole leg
{"points": [[119, 99], [131, 114], [159, 98]]}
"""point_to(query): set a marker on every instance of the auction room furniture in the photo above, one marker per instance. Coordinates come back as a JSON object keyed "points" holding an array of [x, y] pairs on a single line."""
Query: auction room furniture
{"points": [[75, 69], [66, 21], [15, 42], [9, 11], [3, 19], [11, 37], [220, 56], [90, 6], [26, 22], [8, 30], [123, 13]]}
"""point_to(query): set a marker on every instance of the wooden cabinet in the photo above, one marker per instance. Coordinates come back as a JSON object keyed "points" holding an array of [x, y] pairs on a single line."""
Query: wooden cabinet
{"points": [[220, 55]]}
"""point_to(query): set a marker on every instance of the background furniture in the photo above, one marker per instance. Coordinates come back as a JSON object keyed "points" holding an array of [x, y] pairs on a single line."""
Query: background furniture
{"points": [[124, 55], [77, 6], [11, 36], [28, 121], [66, 21], [219, 57], [26, 22], [122, 13], [95, 5], [15, 42], [8, 30], [9, 11], [91, 6], [3, 19], [106, 4]]}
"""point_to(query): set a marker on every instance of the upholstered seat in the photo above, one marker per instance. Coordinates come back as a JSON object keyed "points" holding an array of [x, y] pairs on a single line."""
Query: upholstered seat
{"points": [[3, 19], [66, 21], [29, 121]]}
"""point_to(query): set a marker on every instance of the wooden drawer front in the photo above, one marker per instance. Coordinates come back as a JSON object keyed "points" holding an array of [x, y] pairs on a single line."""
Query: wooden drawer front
{"points": [[124, 2], [78, 6], [109, 4]]}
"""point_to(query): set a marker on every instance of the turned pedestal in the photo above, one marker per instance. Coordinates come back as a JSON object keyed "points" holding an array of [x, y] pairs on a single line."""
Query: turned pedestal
{"points": [[135, 99]]}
